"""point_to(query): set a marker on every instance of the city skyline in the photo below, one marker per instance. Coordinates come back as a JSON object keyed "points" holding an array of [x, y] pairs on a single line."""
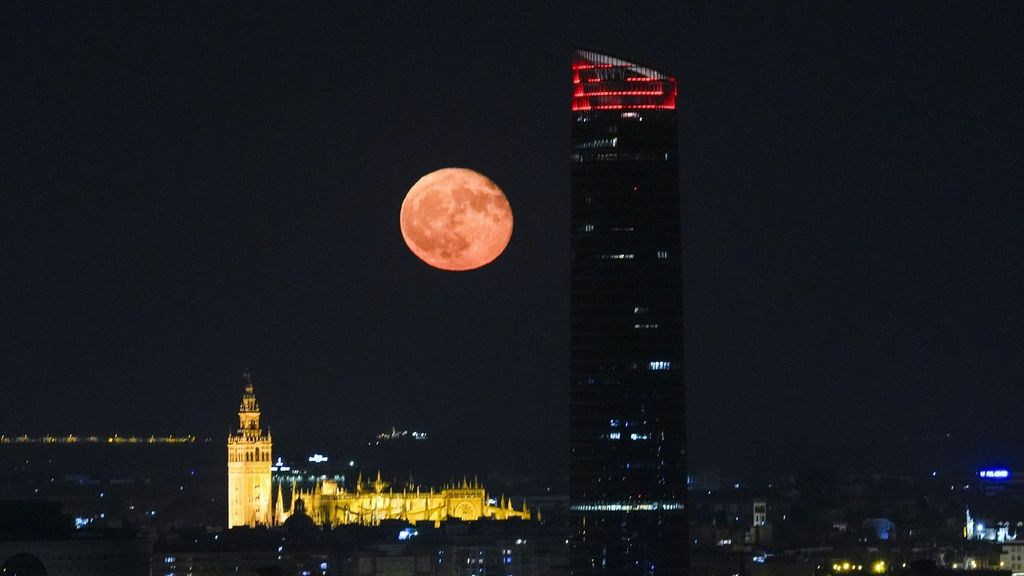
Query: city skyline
{"points": [[192, 192]]}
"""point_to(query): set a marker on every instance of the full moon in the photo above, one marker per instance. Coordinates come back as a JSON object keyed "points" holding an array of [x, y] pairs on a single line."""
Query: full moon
{"points": [[456, 219]]}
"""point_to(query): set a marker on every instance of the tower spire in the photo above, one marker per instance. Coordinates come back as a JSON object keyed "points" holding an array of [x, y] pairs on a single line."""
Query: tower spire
{"points": [[248, 409], [279, 505]]}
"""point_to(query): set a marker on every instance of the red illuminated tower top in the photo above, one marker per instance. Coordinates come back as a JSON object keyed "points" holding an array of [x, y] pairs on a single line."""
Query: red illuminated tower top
{"points": [[602, 82]]}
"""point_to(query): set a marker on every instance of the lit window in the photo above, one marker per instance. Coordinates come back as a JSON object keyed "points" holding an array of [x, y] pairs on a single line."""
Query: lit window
{"points": [[659, 365], [597, 143], [662, 254], [615, 435], [616, 256], [588, 228]]}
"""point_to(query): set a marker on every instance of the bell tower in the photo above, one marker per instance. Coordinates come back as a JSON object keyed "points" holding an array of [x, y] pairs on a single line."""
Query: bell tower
{"points": [[249, 488]]}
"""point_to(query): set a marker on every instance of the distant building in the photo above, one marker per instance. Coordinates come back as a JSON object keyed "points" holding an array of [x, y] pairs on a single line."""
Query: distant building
{"points": [[241, 551], [627, 413], [761, 531], [997, 532], [330, 504], [760, 512], [252, 502], [78, 556], [37, 539], [249, 482], [1012, 558], [392, 548]]}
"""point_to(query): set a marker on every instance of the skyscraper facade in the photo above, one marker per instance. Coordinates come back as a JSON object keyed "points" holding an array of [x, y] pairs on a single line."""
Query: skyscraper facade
{"points": [[627, 410]]}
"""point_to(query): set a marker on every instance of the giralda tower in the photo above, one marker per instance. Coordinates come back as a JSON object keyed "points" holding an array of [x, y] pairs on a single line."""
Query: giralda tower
{"points": [[249, 461], [627, 412]]}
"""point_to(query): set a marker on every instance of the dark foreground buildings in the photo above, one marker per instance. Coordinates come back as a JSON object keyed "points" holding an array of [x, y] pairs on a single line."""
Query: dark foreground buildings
{"points": [[37, 539], [627, 428]]}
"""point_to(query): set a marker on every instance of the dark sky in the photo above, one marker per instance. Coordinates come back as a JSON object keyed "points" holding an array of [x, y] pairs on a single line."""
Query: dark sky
{"points": [[191, 191]]}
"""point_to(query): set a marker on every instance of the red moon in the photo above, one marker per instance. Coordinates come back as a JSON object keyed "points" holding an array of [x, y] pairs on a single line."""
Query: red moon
{"points": [[456, 219]]}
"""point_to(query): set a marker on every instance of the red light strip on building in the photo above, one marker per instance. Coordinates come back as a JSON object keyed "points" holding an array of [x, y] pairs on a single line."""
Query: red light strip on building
{"points": [[621, 93], [583, 108], [658, 94]]}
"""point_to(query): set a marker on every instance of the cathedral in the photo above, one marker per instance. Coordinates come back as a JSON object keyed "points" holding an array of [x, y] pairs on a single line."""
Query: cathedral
{"points": [[253, 502]]}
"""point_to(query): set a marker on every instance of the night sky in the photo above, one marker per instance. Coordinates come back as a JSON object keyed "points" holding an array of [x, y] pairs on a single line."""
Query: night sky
{"points": [[192, 191]]}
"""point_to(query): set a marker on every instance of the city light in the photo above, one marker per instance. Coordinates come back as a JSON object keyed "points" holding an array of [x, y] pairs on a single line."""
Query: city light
{"points": [[396, 434], [994, 473], [628, 506], [115, 439]]}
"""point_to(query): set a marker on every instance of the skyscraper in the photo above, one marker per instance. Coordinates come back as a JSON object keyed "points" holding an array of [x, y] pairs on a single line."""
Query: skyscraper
{"points": [[627, 411], [249, 461]]}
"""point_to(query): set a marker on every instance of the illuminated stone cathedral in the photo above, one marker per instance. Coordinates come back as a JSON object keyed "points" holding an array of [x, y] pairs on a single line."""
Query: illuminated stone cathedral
{"points": [[330, 504], [252, 502]]}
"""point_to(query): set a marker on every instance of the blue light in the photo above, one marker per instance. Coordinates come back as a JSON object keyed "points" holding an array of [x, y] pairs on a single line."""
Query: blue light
{"points": [[994, 473]]}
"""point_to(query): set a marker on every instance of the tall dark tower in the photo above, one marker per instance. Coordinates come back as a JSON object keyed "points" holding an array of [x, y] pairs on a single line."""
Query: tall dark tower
{"points": [[627, 426]]}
